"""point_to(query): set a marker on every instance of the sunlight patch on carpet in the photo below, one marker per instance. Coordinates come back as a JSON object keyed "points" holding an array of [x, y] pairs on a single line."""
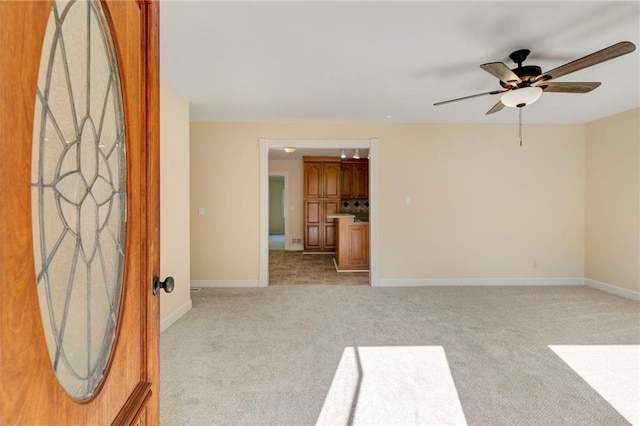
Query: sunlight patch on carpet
{"points": [[611, 370], [401, 385]]}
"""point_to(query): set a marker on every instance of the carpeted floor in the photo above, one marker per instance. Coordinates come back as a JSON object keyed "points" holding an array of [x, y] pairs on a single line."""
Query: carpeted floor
{"points": [[269, 356]]}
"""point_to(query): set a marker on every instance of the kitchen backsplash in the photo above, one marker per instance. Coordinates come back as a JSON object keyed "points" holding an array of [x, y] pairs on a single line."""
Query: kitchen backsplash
{"points": [[354, 206]]}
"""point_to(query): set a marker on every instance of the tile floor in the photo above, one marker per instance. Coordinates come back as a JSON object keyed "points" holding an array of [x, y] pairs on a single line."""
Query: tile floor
{"points": [[293, 267]]}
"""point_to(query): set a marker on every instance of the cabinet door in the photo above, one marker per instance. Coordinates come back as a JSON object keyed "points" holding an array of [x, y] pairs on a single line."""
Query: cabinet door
{"points": [[328, 230], [313, 225], [312, 237], [313, 180], [358, 245], [360, 183], [329, 236], [331, 180], [330, 207], [346, 179], [313, 212]]}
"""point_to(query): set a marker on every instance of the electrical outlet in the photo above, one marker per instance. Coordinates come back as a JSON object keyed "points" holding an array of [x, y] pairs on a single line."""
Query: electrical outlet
{"points": [[535, 263]]}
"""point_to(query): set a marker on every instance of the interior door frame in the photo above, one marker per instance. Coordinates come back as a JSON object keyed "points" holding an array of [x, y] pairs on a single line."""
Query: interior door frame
{"points": [[370, 144]]}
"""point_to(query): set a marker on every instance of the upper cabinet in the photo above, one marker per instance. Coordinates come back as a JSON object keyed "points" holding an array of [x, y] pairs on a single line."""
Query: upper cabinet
{"points": [[321, 177], [331, 180], [312, 180], [354, 179]]}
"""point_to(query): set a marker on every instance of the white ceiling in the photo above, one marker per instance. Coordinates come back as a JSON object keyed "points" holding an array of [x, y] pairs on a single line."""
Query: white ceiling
{"points": [[389, 61]]}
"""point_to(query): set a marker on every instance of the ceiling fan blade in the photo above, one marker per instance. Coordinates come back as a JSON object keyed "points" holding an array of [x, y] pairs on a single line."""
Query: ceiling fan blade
{"points": [[595, 58], [562, 87], [497, 107], [493, 92], [502, 72]]}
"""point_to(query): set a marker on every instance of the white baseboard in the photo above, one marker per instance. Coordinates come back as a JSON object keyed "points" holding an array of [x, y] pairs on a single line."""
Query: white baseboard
{"points": [[450, 282], [174, 316], [629, 294], [224, 283]]}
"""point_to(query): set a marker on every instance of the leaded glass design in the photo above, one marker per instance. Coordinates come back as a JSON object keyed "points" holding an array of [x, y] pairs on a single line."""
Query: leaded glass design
{"points": [[79, 193]]}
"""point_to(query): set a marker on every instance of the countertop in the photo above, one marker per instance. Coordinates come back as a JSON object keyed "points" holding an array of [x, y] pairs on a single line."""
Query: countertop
{"points": [[347, 215], [339, 215]]}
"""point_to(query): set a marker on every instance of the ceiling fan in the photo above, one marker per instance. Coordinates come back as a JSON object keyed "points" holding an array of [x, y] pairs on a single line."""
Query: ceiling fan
{"points": [[524, 84]]}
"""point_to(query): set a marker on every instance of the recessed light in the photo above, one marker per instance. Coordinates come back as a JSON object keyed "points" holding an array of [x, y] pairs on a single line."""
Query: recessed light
{"points": [[388, 116], [289, 150]]}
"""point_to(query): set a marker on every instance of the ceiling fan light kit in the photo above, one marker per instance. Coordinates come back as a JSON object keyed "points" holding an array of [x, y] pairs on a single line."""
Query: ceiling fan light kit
{"points": [[521, 97]]}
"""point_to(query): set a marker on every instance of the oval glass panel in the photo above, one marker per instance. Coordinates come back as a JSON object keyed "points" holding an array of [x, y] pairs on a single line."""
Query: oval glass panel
{"points": [[79, 194]]}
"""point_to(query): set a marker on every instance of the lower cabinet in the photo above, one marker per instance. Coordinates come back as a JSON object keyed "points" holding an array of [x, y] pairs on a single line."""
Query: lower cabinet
{"points": [[312, 237], [352, 245], [319, 233], [358, 245], [329, 235]]}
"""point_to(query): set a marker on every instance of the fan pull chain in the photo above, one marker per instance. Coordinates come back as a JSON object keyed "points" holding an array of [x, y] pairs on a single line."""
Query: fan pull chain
{"points": [[520, 124]]}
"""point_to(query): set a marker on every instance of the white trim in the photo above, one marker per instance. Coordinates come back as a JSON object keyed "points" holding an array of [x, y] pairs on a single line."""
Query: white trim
{"points": [[266, 144], [224, 283], [285, 175], [476, 282], [374, 203], [175, 316], [263, 238], [629, 294]]}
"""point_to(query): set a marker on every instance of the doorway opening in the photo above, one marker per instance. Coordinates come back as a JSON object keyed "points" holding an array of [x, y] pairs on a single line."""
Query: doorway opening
{"points": [[277, 210], [291, 209]]}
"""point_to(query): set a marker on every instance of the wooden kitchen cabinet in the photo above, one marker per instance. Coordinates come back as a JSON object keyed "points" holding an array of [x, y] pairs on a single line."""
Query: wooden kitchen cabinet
{"points": [[321, 198], [346, 177], [322, 178], [354, 179], [352, 245], [328, 234], [318, 232], [313, 180]]}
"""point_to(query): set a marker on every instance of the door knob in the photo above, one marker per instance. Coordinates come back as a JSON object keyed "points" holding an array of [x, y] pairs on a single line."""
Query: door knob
{"points": [[167, 285]]}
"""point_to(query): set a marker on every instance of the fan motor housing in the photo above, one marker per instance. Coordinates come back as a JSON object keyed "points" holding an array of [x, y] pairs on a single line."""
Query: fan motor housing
{"points": [[526, 73]]}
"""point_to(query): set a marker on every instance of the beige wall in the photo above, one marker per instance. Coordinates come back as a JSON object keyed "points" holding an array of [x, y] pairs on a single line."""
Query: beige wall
{"points": [[482, 206], [295, 212], [174, 203], [612, 249]]}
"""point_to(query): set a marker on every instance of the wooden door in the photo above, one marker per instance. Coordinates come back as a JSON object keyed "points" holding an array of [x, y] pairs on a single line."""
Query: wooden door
{"points": [[126, 389]]}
